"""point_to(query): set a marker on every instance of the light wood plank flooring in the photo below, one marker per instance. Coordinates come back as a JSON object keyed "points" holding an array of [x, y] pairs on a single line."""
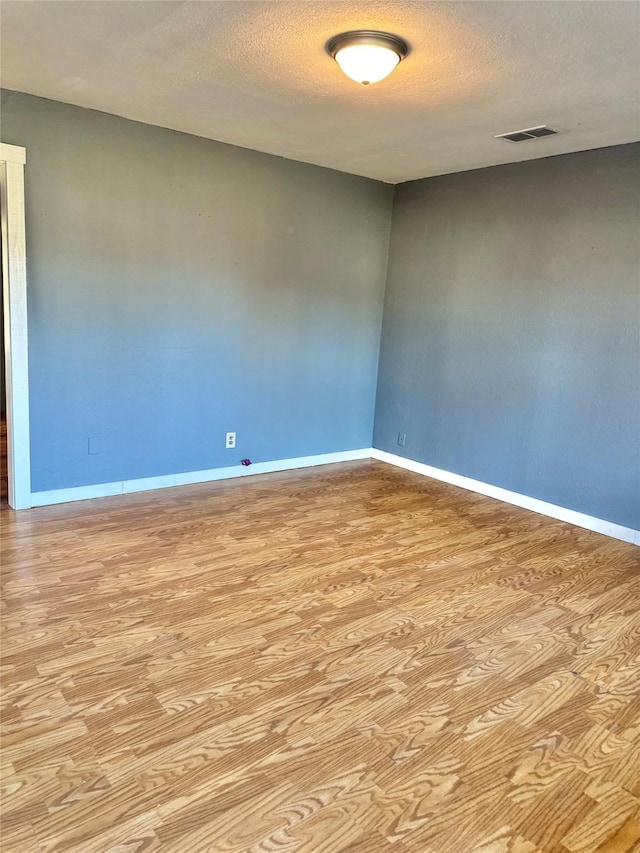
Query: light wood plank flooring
{"points": [[350, 658]]}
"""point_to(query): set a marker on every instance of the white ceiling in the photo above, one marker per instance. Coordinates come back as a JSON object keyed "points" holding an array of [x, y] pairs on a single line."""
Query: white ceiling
{"points": [[255, 74]]}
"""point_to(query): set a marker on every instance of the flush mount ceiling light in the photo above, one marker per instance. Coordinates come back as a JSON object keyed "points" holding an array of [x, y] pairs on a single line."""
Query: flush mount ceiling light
{"points": [[367, 56]]}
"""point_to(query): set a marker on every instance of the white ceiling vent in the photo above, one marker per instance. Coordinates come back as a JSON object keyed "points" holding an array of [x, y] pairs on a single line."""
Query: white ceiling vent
{"points": [[528, 133]]}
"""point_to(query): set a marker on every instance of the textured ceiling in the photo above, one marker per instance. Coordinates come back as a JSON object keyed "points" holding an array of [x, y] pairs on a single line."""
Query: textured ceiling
{"points": [[255, 74]]}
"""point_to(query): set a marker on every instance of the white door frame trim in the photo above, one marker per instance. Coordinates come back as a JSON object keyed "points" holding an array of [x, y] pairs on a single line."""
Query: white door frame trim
{"points": [[14, 283]]}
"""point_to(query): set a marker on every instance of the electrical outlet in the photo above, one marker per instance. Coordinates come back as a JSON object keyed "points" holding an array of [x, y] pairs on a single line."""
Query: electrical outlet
{"points": [[230, 441], [402, 439]]}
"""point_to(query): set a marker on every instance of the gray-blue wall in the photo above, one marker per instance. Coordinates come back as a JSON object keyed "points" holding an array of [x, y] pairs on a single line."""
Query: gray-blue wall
{"points": [[510, 343], [180, 288]]}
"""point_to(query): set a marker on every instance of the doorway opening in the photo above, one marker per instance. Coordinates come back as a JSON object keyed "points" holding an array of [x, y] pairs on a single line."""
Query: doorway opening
{"points": [[4, 485], [15, 436]]}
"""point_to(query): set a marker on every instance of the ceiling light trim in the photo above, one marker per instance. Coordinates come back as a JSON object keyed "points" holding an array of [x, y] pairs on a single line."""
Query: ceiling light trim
{"points": [[369, 37]]}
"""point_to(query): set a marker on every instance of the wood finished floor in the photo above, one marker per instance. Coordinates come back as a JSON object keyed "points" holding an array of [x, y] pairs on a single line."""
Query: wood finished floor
{"points": [[350, 658]]}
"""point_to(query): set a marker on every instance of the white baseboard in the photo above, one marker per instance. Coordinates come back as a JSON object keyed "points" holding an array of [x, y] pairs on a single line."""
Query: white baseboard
{"points": [[101, 490], [599, 525], [123, 487]]}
